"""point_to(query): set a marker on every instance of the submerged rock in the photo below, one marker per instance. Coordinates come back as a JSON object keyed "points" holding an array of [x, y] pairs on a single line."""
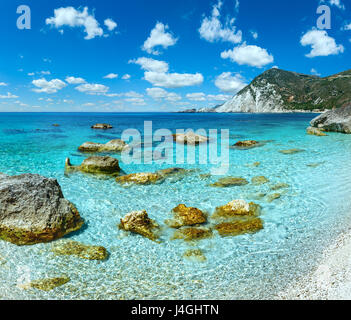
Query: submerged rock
{"points": [[139, 222], [259, 180], [247, 144], [337, 120], [273, 196], [55, 125], [291, 151], [229, 182], [190, 138], [254, 165], [194, 255], [46, 284], [81, 250], [34, 210], [315, 132], [116, 145], [96, 165], [192, 233], [142, 178], [237, 208], [280, 185], [239, 227], [103, 126], [172, 171], [186, 216]]}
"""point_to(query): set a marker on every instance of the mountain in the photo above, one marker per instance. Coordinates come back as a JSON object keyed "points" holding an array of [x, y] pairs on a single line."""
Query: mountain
{"points": [[277, 90]]}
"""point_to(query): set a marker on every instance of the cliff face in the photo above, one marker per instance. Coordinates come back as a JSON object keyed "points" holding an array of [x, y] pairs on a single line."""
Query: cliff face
{"points": [[277, 90]]}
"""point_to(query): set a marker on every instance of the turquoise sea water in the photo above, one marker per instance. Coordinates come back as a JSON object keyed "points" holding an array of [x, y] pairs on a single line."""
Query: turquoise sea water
{"points": [[312, 211]]}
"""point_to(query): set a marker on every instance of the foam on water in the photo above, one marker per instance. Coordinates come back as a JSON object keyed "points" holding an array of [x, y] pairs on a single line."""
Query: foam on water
{"points": [[297, 226]]}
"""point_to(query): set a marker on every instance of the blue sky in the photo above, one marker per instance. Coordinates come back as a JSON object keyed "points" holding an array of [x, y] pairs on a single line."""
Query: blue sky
{"points": [[159, 55]]}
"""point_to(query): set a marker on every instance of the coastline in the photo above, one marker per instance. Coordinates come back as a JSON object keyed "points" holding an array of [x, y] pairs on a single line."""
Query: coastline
{"points": [[330, 279]]}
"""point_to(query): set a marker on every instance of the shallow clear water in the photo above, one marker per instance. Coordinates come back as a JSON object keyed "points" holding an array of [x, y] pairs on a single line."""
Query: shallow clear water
{"points": [[297, 226]]}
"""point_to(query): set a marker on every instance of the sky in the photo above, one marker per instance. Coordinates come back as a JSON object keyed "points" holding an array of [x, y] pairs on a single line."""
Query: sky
{"points": [[159, 55]]}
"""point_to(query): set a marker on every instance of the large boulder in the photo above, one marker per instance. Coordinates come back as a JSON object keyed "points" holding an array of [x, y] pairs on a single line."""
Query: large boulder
{"points": [[96, 165], [337, 120], [33, 210]]}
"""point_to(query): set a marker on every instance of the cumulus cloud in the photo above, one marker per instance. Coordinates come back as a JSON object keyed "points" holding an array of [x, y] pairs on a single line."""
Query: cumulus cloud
{"points": [[254, 34], [73, 80], [229, 82], [336, 3], [213, 30], [71, 17], [126, 76], [153, 65], [322, 44], [93, 88], [51, 86], [111, 76], [156, 72], [3, 84], [315, 72], [8, 96], [159, 94], [173, 80], [248, 54], [218, 97], [136, 101], [159, 37], [110, 24], [196, 96]]}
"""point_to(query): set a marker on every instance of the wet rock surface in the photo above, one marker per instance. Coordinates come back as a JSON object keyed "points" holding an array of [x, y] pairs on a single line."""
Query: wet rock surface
{"points": [[230, 182], [139, 222], [96, 165], [338, 120], [102, 126], [33, 210], [186, 216]]}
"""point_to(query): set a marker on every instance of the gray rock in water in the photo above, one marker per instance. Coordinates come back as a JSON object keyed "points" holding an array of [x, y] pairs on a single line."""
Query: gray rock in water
{"points": [[33, 210], [95, 165], [338, 120]]}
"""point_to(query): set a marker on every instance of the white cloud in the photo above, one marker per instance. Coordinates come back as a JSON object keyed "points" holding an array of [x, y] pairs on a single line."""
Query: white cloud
{"points": [[126, 76], [173, 80], [315, 72], [219, 97], [73, 80], [136, 101], [3, 84], [110, 24], [347, 27], [254, 34], [71, 17], [93, 88], [336, 3], [212, 29], [132, 94], [159, 94], [153, 65], [31, 74], [8, 96], [45, 72], [111, 76], [159, 37], [89, 104], [228, 82], [248, 54], [321, 43], [196, 96], [51, 86]]}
